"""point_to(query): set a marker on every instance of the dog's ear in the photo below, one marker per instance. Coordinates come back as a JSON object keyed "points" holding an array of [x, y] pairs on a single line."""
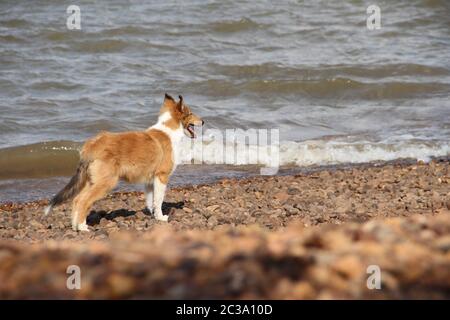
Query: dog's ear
{"points": [[180, 104], [168, 97]]}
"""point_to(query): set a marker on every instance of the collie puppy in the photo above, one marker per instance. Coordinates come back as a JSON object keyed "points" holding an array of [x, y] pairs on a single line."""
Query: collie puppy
{"points": [[147, 157]]}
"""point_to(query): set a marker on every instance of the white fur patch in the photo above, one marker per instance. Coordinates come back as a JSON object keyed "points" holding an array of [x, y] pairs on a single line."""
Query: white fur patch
{"points": [[159, 189], [149, 197], [175, 136], [75, 221], [82, 226]]}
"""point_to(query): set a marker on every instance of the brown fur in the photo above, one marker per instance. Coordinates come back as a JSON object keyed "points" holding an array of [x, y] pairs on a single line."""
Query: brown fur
{"points": [[136, 157]]}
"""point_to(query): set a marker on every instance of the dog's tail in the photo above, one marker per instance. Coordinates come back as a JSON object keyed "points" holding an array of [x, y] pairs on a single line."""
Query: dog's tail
{"points": [[76, 183]]}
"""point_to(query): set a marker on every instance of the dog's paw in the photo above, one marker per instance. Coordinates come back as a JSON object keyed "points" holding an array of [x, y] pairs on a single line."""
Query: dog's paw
{"points": [[48, 210], [162, 218], [83, 227]]}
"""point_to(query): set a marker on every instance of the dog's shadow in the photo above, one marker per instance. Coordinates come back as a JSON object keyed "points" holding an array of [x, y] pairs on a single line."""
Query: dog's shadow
{"points": [[95, 216]]}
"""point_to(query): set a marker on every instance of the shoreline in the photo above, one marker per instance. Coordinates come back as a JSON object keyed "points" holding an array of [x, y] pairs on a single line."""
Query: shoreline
{"points": [[185, 176]]}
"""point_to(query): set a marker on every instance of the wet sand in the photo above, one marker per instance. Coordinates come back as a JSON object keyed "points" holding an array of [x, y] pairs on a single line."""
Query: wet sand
{"points": [[308, 235]]}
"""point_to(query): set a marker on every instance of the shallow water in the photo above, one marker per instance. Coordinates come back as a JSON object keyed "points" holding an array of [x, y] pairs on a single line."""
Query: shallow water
{"points": [[338, 92]]}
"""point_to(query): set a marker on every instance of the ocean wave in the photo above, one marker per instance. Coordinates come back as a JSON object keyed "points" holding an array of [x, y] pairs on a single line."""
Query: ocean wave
{"points": [[277, 70], [11, 38], [39, 160], [243, 24], [15, 23], [63, 86], [101, 46], [59, 158], [323, 88], [125, 31], [311, 152]]}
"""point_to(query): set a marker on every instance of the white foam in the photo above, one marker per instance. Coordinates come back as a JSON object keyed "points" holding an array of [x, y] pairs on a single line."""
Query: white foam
{"points": [[313, 152]]}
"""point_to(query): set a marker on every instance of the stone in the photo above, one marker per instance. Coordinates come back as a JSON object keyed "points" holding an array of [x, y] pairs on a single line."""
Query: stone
{"points": [[188, 210]]}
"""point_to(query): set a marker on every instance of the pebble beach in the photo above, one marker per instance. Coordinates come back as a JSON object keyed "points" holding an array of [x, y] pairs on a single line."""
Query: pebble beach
{"points": [[299, 236]]}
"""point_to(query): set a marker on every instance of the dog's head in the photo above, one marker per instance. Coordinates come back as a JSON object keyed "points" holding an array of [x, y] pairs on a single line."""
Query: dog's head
{"points": [[181, 114]]}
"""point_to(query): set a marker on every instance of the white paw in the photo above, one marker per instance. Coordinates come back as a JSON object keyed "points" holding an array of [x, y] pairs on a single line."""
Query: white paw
{"points": [[48, 210], [150, 210], [162, 218], [83, 227]]}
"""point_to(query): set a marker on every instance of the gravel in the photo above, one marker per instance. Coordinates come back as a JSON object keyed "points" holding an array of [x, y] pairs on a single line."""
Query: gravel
{"points": [[299, 236]]}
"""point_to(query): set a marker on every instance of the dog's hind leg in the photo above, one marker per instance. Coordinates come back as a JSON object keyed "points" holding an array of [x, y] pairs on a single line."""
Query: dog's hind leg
{"points": [[94, 193], [75, 207], [159, 188]]}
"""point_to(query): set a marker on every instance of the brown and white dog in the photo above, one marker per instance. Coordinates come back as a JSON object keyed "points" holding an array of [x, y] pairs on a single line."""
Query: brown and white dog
{"points": [[147, 157]]}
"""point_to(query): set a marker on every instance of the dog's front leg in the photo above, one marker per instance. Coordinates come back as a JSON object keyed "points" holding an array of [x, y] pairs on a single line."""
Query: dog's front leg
{"points": [[159, 189], [149, 196]]}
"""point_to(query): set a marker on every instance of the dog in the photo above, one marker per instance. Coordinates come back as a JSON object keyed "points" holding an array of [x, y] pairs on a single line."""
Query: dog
{"points": [[148, 157]]}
